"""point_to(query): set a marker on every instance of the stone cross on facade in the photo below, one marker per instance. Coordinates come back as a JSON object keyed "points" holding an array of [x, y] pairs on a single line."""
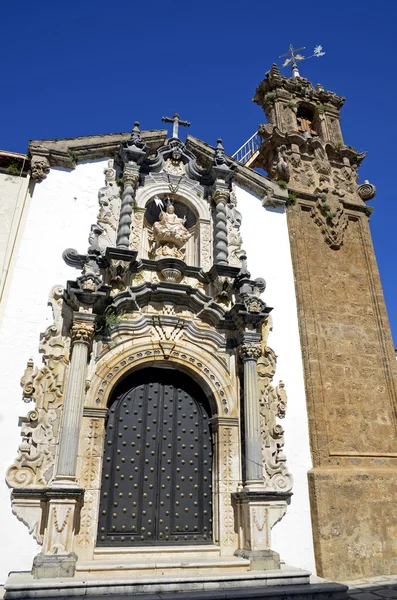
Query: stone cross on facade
{"points": [[176, 121]]}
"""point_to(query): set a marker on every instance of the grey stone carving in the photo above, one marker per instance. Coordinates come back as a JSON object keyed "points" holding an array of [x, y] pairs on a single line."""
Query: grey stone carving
{"points": [[235, 240], [221, 196], [40, 167]]}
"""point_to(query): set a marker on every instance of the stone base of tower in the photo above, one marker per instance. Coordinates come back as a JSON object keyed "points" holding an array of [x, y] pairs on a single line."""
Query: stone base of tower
{"points": [[354, 514], [226, 581]]}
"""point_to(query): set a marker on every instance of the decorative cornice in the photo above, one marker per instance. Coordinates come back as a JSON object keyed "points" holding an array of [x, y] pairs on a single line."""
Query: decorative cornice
{"points": [[66, 152]]}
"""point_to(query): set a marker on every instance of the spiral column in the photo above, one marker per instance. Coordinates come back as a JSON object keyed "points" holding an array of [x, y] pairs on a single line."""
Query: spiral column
{"points": [[130, 179], [221, 196]]}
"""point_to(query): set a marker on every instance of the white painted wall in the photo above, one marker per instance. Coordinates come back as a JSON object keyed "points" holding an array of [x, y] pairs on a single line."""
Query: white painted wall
{"points": [[61, 211], [266, 241], [14, 200]]}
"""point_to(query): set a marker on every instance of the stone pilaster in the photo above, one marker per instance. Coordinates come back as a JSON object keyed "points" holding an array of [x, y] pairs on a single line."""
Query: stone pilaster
{"points": [[221, 240], [130, 179], [250, 352], [81, 334]]}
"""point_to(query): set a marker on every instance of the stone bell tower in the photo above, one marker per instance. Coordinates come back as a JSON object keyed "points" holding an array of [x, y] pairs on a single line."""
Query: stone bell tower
{"points": [[348, 356]]}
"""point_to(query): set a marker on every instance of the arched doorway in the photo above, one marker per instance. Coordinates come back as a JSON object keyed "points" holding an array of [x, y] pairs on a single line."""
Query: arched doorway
{"points": [[157, 464]]}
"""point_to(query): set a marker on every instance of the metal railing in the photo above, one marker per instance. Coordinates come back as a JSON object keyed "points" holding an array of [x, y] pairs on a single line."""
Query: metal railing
{"points": [[248, 149]]}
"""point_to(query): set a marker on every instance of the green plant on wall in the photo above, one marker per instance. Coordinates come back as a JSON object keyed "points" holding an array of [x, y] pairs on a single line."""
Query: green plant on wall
{"points": [[107, 321], [73, 157], [270, 97], [283, 184], [14, 168], [292, 198]]}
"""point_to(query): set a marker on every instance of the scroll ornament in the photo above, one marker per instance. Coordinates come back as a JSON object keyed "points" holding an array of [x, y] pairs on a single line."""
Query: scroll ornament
{"points": [[273, 404], [33, 467]]}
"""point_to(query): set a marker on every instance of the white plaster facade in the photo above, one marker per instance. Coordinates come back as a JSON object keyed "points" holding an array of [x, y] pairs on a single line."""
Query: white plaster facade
{"points": [[60, 214], [265, 239], [14, 203]]}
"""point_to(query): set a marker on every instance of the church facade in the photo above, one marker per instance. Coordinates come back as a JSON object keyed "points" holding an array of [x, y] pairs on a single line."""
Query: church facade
{"points": [[215, 395]]}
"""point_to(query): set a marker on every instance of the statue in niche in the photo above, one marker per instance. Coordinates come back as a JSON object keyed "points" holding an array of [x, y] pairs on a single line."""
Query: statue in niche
{"points": [[169, 233]]}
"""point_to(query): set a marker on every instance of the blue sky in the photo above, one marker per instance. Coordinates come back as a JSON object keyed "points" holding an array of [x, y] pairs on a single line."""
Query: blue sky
{"points": [[89, 67]]}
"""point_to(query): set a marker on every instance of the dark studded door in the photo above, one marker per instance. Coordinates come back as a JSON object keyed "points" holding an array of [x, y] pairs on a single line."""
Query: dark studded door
{"points": [[157, 465]]}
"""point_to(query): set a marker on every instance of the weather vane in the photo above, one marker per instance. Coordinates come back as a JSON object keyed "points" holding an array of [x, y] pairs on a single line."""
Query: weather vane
{"points": [[294, 57]]}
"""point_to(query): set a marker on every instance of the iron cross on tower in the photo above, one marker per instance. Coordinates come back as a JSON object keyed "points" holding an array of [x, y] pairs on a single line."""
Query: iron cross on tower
{"points": [[293, 57], [176, 121]]}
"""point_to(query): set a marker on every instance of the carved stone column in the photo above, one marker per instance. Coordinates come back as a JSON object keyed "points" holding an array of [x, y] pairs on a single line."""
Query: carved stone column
{"points": [[131, 179], [221, 196], [64, 496], [258, 509], [250, 352], [82, 333]]}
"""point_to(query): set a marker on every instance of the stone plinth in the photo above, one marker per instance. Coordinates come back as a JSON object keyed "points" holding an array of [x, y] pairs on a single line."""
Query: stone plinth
{"points": [[257, 512]]}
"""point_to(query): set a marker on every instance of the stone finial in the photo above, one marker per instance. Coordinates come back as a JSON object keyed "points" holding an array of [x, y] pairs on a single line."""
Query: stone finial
{"points": [[136, 133]]}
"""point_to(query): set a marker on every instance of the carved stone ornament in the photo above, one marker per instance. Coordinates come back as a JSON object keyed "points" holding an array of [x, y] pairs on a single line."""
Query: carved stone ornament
{"points": [[34, 464], [130, 178], [250, 351], [235, 240], [254, 304], [366, 191], [40, 167], [170, 234], [330, 216], [82, 333], [273, 403], [109, 209]]}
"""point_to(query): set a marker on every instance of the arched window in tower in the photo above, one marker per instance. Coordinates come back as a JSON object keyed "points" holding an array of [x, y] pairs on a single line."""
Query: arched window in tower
{"points": [[170, 230], [305, 120]]}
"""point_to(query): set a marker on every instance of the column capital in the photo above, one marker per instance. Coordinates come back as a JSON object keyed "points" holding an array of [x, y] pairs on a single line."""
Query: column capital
{"points": [[250, 351], [82, 332]]}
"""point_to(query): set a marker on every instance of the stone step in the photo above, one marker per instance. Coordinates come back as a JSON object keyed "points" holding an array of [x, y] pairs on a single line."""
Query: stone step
{"points": [[283, 584], [184, 565]]}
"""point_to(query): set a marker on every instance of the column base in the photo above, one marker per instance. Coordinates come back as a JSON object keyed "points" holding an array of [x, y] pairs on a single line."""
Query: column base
{"points": [[261, 560], [257, 512], [64, 481], [56, 565]]}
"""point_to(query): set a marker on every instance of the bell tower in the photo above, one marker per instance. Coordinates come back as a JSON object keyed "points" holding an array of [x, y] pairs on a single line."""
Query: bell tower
{"points": [[347, 350]]}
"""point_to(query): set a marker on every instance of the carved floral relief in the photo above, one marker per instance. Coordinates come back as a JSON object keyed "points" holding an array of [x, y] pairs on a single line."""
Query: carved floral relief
{"points": [[45, 386]]}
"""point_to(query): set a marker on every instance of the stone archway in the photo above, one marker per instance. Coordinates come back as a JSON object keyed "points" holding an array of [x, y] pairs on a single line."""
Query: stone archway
{"points": [[157, 464]]}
